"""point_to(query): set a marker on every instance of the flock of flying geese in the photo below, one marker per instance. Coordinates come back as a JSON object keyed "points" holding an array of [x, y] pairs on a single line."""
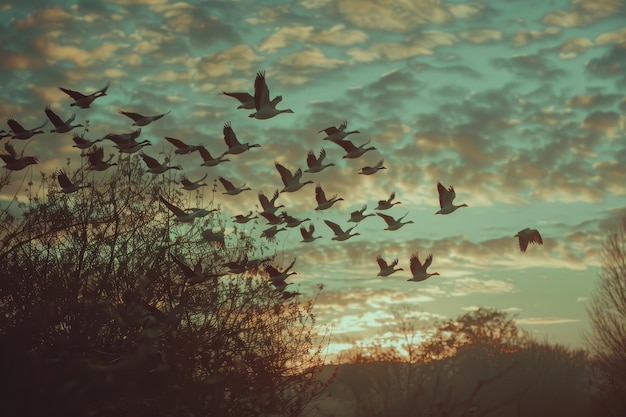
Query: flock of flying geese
{"points": [[264, 108]]}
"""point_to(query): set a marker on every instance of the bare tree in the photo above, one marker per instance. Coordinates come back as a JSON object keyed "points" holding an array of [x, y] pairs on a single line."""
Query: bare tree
{"points": [[110, 307], [607, 313]]}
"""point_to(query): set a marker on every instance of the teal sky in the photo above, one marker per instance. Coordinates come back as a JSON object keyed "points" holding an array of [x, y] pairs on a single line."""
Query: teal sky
{"points": [[520, 108]]}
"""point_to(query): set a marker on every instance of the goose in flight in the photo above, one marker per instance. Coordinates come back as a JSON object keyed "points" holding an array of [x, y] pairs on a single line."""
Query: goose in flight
{"points": [[253, 265], [61, 126], [387, 269], [307, 234], [368, 170], [276, 277], [181, 147], [352, 151], [337, 133], [418, 270], [446, 197], [243, 219], [270, 232], [340, 235], [234, 146], [67, 186], [316, 164], [210, 236], [246, 100], [182, 215], [81, 143], [208, 160], [394, 224], [230, 188], [237, 267], [291, 181], [18, 131], [155, 167], [265, 109], [269, 206], [387, 204], [527, 236], [291, 221], [132, 146], [192, 185], [121, 138], [195, 275], [15, 162], [358, 216], [141, 120], [322, 202], [95, 159], [272, 218], [81, 100], [286, 295]]}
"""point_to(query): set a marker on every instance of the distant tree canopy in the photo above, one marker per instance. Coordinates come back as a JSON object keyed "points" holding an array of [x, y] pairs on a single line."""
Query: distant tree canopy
{"points": [[109, 307], [477, 364]]}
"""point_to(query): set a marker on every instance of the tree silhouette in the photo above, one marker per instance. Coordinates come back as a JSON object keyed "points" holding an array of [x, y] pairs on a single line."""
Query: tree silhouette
{"points": [[477, 364], [97, 315], [607, 313]]}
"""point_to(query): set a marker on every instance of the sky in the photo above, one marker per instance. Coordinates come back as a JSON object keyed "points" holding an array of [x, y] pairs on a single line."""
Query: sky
{"points": [[522, 109]]}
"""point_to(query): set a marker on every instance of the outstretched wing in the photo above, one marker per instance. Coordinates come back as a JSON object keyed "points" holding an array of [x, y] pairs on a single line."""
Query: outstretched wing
{"points": [[334, 226], [265, 203], [329, 130], [177, 211], [74, 94], [56, 120], [134, 116], [261, 92], [150, 161], [382, 264], [15, 126], [227, 184], [416, 264], [445, 196], [63, 179], [229, 136], [427, 262], [536, 237], [285, 174], [242, 97], [320, 196], [346, 145], [186, 270], [388, 219], [176, 142]]}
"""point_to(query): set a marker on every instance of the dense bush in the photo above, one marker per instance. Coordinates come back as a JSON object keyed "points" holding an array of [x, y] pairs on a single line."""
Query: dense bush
{"points": [[97, 318]]}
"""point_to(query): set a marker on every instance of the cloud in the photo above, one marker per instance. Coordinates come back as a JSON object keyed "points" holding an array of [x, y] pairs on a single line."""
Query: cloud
{"points": [[607, 122], [394, 15], [592, 100], [583, 13], [529, 66], [544, 321], [308, 61], [524, 37], [48, 17], [337, 35], [468, 286], [573, 47], [611, 64], [480, 36], [424, 43]]}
